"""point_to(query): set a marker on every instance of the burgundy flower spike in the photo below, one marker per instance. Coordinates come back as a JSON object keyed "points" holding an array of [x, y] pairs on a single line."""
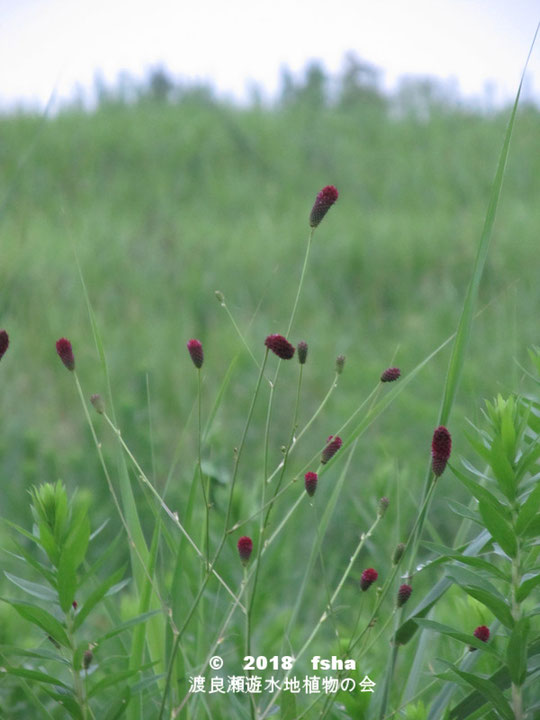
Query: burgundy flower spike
{"points": [[334, 443], [481, 633], [367, 579], [245, 548], [65, 353], [323, 202], [310, 480], [390, 375], [4, 343], [280, 346], [196, 352], [404, 593], [441, 447]]}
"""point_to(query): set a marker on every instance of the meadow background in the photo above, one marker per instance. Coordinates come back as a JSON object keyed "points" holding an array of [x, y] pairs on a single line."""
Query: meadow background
{"points": [[167, 194]]}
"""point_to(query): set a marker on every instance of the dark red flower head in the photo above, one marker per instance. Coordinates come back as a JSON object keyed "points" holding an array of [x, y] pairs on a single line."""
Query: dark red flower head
{"points": [[4, 343], [245, 548], [367, 578], [404, 593], [340, 364], [302, 352], [87, 659], [310, 480], [441, 447], [334, 443], [196, 352], [390, 374], [482, 633], [323, 202], [65, 352], [280, 346]]}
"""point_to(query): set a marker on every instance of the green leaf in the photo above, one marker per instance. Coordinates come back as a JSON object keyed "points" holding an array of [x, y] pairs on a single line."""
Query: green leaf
{"points": [[34, 675], [115, 678], [467, 638], [464, 511], [500, 530], [482, 494], [97, 595], [41, 618], [127, 625], [42, 653], [40, 591], [526, 587], [529, 509], [67, 701], [487, 688], [24, 555], [480, 564], [502, 469], [76, 544], [67, 581], [497, 606], [464, 576], [516, 654]]}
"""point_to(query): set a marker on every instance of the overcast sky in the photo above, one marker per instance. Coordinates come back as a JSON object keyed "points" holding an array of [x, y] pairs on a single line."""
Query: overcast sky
{"points": [[54, 45]]}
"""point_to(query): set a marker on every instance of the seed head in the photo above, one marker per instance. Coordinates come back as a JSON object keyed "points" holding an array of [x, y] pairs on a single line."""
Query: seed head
{"points": [[390, 374], [398, 553], [404, 593], [441, 447], [245, 548], [340, 364], [334, 443], [65, 352], [280, 346], [384, 502], [323, 202], [4, 343], [482, 633], [196, 352], [302, 352], [310, 480], [367, 578]]}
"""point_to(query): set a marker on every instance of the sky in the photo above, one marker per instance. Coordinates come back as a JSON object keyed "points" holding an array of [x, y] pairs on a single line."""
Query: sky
{"points": [[55, 46]]}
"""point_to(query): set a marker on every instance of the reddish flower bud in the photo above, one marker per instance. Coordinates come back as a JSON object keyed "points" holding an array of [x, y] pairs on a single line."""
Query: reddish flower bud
{"points": [[4, 343], [404, 593], [390, 374], [74, 605], [367, 578], [302, 352], [310, 480], [323, 202], [482, 633], [441, 447], [65, 352], [245, 548], [196, 352], [87, 659], [280, 346], [334, 443]]}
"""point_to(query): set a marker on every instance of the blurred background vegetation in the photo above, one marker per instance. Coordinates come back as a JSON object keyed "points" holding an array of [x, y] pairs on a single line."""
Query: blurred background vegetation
{"points": [[168, 193]]}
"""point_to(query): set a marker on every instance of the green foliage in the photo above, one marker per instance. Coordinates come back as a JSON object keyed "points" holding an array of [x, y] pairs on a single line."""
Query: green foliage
{"points": [[62, 532]]}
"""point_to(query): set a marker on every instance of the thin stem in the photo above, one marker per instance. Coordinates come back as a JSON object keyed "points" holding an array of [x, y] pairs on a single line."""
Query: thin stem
{"points": [[172, 515]]}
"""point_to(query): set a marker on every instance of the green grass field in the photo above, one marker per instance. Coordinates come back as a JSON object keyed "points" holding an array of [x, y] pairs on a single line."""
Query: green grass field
{"points": [[165, 203]]}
